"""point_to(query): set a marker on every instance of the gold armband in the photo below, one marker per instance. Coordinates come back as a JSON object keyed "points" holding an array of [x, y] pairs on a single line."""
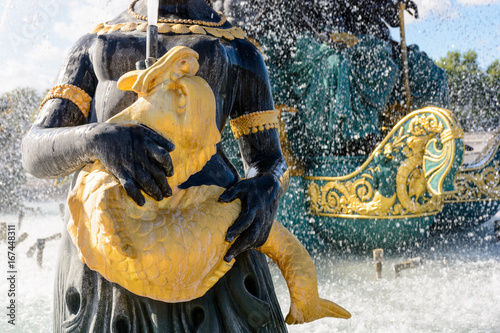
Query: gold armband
{"points": [[254, 122], [73, 93]]}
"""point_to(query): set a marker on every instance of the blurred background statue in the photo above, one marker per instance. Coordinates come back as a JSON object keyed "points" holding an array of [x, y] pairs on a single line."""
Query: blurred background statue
{"points": [[334, 62]]}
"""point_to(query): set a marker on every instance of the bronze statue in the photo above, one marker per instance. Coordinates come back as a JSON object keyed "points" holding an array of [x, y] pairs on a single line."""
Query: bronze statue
{"points": [[82, 123]]}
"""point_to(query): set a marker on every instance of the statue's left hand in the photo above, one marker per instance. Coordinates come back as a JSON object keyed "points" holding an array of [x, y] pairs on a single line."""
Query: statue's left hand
{"points": [[259, 201]]}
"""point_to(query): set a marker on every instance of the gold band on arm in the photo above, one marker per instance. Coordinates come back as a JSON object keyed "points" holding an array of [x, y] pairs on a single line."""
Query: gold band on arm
{"points": [[254, 122], [73, 93]]}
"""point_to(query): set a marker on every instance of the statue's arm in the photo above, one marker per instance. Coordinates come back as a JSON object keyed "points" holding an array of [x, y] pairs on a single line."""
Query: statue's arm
{"points": [[63, 139], [56, 145], [265, 168]]}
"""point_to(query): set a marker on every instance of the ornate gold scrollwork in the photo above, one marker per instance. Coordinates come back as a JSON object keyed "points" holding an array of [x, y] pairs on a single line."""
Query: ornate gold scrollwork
{"points": [[174, 28], [394, 181], [481, 180]]}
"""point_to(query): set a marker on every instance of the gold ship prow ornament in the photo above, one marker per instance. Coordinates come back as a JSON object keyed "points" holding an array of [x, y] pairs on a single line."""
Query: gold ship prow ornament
{"points": [[172, 250]]}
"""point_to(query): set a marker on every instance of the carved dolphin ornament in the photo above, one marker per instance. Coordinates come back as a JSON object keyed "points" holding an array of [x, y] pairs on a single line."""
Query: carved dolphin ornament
{"points": [[173, 250]]}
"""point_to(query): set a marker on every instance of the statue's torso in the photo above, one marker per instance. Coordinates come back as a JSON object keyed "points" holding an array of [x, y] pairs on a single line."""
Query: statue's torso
{"points": [[114, 54]]}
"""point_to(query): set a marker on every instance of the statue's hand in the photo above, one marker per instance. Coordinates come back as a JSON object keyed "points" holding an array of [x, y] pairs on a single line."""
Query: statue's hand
{"points": [[259, 201], [137, 156]]}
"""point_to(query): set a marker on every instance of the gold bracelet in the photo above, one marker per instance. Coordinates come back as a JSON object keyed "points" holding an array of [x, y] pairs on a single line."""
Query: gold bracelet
{"points": [[73, 93], [254, 122]]}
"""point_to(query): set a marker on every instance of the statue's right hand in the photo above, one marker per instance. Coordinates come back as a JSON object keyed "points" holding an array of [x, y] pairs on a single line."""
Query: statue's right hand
{"points": [[136, 155]]}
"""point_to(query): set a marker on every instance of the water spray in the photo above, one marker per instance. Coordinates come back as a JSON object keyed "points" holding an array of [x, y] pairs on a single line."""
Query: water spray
{"points": [[3, 227], [412, 263], [378, 256], [152, 36], [404, 57], [3, 231], [40, 245], [496, 229]]}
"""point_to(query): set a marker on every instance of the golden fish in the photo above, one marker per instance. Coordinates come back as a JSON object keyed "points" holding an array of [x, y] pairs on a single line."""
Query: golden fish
{"points": [[172, 250]]}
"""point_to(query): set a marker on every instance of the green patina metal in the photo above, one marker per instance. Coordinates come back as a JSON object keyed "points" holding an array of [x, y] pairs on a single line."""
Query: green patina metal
{"points": [[392, 197], [316, 231], [387, 199], [342, 94]]}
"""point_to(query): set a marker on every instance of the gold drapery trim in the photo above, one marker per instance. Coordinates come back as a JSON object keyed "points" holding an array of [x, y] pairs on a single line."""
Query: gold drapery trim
{"points": [[163, 28], [73, 93], [254, 122]]}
